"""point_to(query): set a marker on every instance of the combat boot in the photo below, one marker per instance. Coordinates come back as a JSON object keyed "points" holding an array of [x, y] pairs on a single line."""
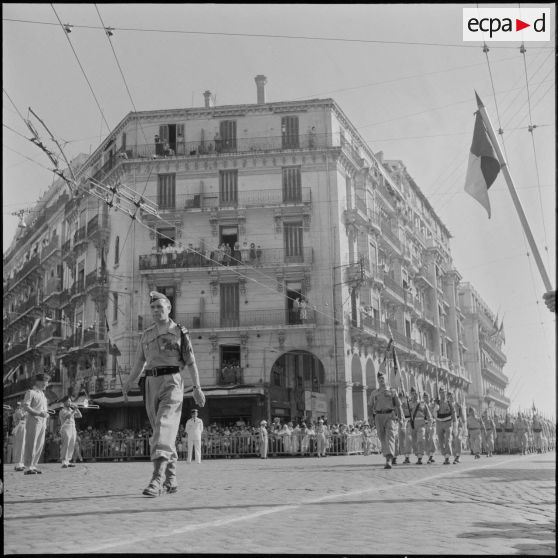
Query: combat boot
{"points": [[407, 460], [170, 484], [419, 461], [394, 461], [154, 487], [447, 461]]}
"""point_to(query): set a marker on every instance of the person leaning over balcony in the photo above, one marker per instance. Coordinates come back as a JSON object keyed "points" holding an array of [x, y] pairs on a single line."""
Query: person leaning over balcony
{"points": [[384, 405], [18, 433], [67, 416], [164, 351], [36, 405]]}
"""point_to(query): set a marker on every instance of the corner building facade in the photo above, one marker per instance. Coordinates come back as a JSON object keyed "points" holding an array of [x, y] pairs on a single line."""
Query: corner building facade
{"points": [[332, 251]]}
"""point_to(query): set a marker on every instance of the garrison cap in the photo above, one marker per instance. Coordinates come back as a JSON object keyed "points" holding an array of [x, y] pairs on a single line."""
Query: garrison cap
{"points": [[154, 295]]}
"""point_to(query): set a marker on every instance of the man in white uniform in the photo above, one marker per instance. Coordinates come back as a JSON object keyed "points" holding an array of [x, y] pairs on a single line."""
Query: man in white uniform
{"points": [[194, 429]]}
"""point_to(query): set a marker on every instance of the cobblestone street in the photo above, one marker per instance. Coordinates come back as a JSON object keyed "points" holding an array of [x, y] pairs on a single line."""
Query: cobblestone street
{"points": [[501, 505]]}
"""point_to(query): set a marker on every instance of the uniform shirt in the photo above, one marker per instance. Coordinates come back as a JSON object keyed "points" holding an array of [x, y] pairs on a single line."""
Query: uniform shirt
{"points": [[164, 348], [194, 428], [422, 412], [445, 411], [385, 399], [406, 408], [489, 424], [67, 417], [474, 423], [36, 400]]}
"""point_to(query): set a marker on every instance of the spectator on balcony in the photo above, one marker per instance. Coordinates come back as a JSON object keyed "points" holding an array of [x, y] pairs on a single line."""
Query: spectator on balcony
{"points": [[236, 255], [302, 310], [154, 257], [158, 146], [218, 142], [312, 137], [253, 254], [245, 252], [227, 260]]}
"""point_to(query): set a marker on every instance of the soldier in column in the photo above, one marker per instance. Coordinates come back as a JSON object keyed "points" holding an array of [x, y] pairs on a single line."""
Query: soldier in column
{"points": [[537, 433], [508, 433], [422, 419], [445, 418], [430, 430], [489, 432], [521, 433], [458, 428], [499, 443], [405, 433], [475, 426], [36, 405], [384, 406], [18, 432], [163, 353]]}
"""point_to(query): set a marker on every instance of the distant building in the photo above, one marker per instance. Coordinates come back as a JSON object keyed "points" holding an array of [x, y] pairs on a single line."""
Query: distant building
{"points": [[329, 246], [484, 358]]}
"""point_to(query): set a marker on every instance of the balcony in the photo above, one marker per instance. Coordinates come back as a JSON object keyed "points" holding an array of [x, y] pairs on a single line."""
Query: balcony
{"points": [[84, 339], [496, 395], [495, 351], [64, 298], [66, 247], [229, 375], [201, 258], [77, 289], [51, 249], [374, 219], [392, 285], [30, 267], [211, 147], [53, 289], [17, 387], [16, 349], [80, 239], [418, 348], [251, 318], [98, 228], [49, 334], [492, 370], [390, 234], [374, 324], [401, 339]]}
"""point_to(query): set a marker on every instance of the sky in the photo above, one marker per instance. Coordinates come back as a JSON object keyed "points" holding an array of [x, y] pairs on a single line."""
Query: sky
{"points": [[401, 73]]}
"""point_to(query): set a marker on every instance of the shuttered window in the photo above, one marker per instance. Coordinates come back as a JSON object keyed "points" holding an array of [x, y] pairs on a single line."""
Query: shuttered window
{"points": [[229, 305], [227, 131], [292, 234], [166, 191], [228, 187], [289, 132], [292, 191]]}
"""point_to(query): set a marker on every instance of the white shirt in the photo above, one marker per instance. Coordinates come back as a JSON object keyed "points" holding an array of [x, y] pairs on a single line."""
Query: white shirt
{"points": [[194, 428]]}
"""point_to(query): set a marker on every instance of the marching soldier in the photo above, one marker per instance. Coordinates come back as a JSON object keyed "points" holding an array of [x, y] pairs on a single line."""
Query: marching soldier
{"points": [[521, 433], [430, 441], [445, 417], [384, 405], [405, 429], [458, 428], [537, 434], [499, 444], [475, 426], [422, 418], [164, 351], [508, 433], [489, 432], [18, 433]]}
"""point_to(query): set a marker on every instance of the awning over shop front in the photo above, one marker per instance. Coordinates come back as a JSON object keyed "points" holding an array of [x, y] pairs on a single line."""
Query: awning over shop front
{"points": [[231, 391]]}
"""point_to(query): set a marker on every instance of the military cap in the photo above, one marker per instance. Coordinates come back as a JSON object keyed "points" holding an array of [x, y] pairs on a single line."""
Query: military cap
{"points": [[41, 377], [154, 295]]}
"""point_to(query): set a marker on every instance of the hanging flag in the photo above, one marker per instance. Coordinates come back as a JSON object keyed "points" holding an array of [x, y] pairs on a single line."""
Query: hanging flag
{"points": [[483, 165], [34, 330]]}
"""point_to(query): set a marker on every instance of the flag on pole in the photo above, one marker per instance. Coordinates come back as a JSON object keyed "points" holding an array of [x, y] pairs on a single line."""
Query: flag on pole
{"points": [[483, 165]]}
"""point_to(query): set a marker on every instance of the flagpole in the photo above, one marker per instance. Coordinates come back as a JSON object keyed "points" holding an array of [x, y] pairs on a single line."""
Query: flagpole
{"points": [[513, 193]]}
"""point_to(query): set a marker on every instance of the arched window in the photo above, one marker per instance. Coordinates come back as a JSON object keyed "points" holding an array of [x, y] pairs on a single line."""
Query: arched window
{"points": [[116, 250]]}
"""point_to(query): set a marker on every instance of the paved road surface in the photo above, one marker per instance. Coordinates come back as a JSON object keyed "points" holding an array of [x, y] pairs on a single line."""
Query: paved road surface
{"points": [[498, 505]]}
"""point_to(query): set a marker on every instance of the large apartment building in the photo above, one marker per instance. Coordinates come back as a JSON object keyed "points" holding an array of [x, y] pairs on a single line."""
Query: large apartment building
{"points": [[289, 249], [485, 357]]}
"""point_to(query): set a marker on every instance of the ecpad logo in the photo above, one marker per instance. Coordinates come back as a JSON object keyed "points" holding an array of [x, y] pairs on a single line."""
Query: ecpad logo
{"points": [[506, 24]]}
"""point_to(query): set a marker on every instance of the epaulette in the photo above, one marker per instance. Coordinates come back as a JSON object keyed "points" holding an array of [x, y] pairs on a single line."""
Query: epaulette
{"points": [[183, 329]]}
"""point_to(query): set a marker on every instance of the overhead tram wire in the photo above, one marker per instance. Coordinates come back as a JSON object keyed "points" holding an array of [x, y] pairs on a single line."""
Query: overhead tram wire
{"points": [[82, 69], [270, 36], [531, 131]]}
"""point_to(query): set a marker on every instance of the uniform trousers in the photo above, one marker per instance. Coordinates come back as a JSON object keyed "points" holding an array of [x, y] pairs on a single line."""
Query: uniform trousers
{"points": [[405, 438], [430, 439], [19, 443], [68, 442], [509, 441], [475, 439], [489, 441], [419, 437], [386, 433], [263, 447], [35, 429], [163, 403], [196, 446], [523, 439], [443, 430], [538, 440], [457, 442]]}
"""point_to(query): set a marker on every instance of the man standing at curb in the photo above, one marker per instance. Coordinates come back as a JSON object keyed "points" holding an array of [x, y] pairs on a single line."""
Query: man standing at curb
{"points": [[36, 405], [164, 351], [194, 429], [384, 405]]}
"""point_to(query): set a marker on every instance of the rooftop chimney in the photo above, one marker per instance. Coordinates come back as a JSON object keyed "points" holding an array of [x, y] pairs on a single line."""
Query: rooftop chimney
{"points": [[260, 84], [207, 96]]}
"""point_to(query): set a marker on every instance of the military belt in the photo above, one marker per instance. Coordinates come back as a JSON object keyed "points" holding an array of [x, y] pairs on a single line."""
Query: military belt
{"points": [[384, 412], [162, 371]]}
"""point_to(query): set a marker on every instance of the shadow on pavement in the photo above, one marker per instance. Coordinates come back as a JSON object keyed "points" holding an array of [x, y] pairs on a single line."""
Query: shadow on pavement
{"points": [[537, 531], [511, 475]]}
